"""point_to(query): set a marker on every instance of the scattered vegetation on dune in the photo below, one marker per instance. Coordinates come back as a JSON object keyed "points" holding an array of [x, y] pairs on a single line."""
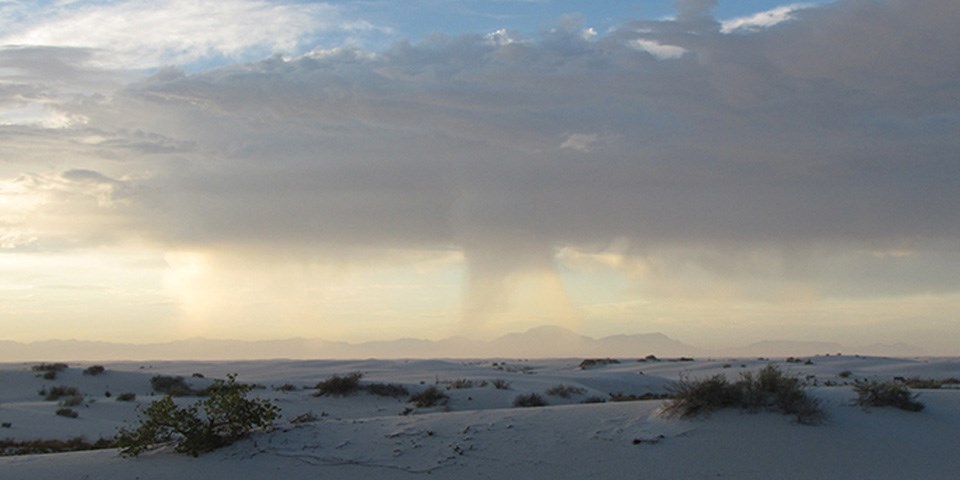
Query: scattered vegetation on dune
{"points": [[387, 390], [500, 384], [430, 397], [597, 362], [623, 397], [126, 397], [174, 386], [67, 412], [34, 447], [565, 391], [768, 389], [529, 400], [225, 416], [55, 393], [929, 383], [94, 370], [886, 394], [49, 370], [339, 385]]}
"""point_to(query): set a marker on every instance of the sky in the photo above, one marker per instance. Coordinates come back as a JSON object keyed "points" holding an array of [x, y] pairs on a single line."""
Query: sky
{"points": [[723, 172]]}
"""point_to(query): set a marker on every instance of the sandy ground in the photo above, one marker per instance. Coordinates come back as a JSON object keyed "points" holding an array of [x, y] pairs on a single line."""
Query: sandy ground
{"points": [[479, 434]]}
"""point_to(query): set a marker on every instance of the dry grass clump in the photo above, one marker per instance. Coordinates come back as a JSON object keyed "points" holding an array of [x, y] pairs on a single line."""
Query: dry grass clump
{"points": [[339, 385], [430, 397], [623, 397], [500, 384], [387, 390], [886, 394], [33, 447], [531, 400], [565, 391], [174, 386], [126, 397], [930, 383], [769, 389], [67, 412], [56, 393], [597, 362]]}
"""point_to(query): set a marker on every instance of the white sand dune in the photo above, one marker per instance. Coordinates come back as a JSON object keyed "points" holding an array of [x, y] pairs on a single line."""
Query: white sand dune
{"points": [[479, 434]]}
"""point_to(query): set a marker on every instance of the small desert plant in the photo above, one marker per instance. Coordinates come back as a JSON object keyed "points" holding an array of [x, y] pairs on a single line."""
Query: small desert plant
{"points": [[430, 397], [500, 384], [173, 386], [770, 388], [49, 367], [308, 417], [126, 397], [623, 397], [594, 399], [67, 412], [286, 387], [530, 400], [929, 383], [845, 374], [339, 386], [597, 362], [6, 424], [565, 391], [227, 415], [387, 390], [460, 383], [55, 393], [71, 401], [50, 375], [886, 394], [94, 370], [34, 447]]}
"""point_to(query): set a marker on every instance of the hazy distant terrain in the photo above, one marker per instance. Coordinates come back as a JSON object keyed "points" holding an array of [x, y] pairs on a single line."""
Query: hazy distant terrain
{"points": [[542, 342]]}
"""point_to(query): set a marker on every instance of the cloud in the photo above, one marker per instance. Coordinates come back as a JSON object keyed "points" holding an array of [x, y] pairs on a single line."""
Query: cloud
{"points": [[826, 133], [763, 20], [146, 34]]}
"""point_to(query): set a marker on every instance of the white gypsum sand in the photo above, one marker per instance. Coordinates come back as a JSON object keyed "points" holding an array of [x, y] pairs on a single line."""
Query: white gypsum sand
{"points": [[480, 434]]}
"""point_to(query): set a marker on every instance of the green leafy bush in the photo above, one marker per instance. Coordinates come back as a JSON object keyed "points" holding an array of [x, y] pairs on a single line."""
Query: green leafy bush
{"points": [[339, 386], [225, 416], [886, 394]]}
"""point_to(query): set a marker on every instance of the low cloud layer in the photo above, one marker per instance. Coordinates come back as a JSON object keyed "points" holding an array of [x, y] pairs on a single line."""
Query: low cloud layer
{"points": [[805, 133]]}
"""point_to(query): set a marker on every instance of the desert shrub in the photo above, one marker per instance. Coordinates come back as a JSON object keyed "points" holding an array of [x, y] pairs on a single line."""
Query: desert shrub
{"points": [[531, 400], [71, 401], [597, 362], [308, 417], [55, 393], [67, 412], [845, 374], [286, 387], [387, 390], [651, 358], [339, 386], [622, 397], [50, 375], [565, 391], [49, 367], [886, 394], [460, 383], [6, 424], [173, 386], [929, 383], [94, 370], [225, 416], [34, 447], [594, 399], [770, 388], [429, 397], [197, 375], [126, 397], [500, 384]]}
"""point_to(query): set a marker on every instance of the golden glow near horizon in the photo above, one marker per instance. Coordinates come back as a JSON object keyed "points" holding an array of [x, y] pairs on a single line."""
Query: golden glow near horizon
{"points": [[722, 174]]}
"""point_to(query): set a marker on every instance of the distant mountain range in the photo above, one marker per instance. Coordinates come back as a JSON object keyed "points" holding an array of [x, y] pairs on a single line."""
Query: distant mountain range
{"points": [[538, 342]]}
